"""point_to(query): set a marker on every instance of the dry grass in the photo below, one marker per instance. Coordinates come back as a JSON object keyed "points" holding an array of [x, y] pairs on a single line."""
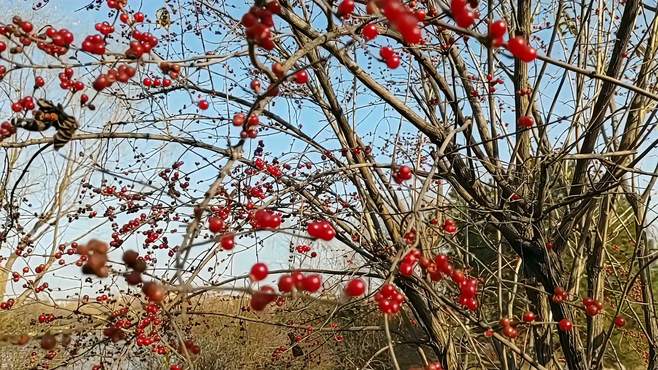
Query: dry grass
{"points": [[249, 341]]}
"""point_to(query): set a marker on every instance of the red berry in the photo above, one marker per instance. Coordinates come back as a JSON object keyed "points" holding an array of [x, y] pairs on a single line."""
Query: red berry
{"points": [[312, 283], [277, 69], [591, 310], [261, 298], [227, 241], [386, 52], [301, 77], [369, 32], [528, 55], [355, 288], [526, 121], [620, 321], [529, 316], [215, 224], [238, 119], [258, 272], [565, 325], [286, 283], [497, 29], [138, 17], [393, 62], [346, 8], [406, 269], [203, 104]]}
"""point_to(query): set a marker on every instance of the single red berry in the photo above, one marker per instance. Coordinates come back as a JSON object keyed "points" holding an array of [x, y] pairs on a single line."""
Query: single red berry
{"points": [[203, 104], [301, 77], [258, 271], [393, 62], [215, 224], [386, 52], [286, 283], [369, 32], [620, 321], [312, 283], [565, 325], [346, 8], [497, 29], [529, 316], [227, 241], [355, 288]]}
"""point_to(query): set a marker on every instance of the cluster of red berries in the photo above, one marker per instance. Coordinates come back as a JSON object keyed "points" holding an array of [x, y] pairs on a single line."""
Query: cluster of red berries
{"points": [[251, 131], [468, 289], [7, 305], [104, 28], [389, 299], [321, 230], [240, 118], [262, 297], [509, 328], [6, 129], [559, 295], [259, 22], [46, 318], [297, 280], [116, 4], [59, 43], [24, 104], [497, 30], [303, 248], [137, 17], [520, 49], [156, 82], [449, 226], [94, 44], [463, 13], [403, 174], [526, 121], [390, 57], [96, 253], [172, 69], [592, 306], [66, 82], [265, 219], [409, 262], [123, 73], [138, 265], [403, 19], [142, 44]]}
